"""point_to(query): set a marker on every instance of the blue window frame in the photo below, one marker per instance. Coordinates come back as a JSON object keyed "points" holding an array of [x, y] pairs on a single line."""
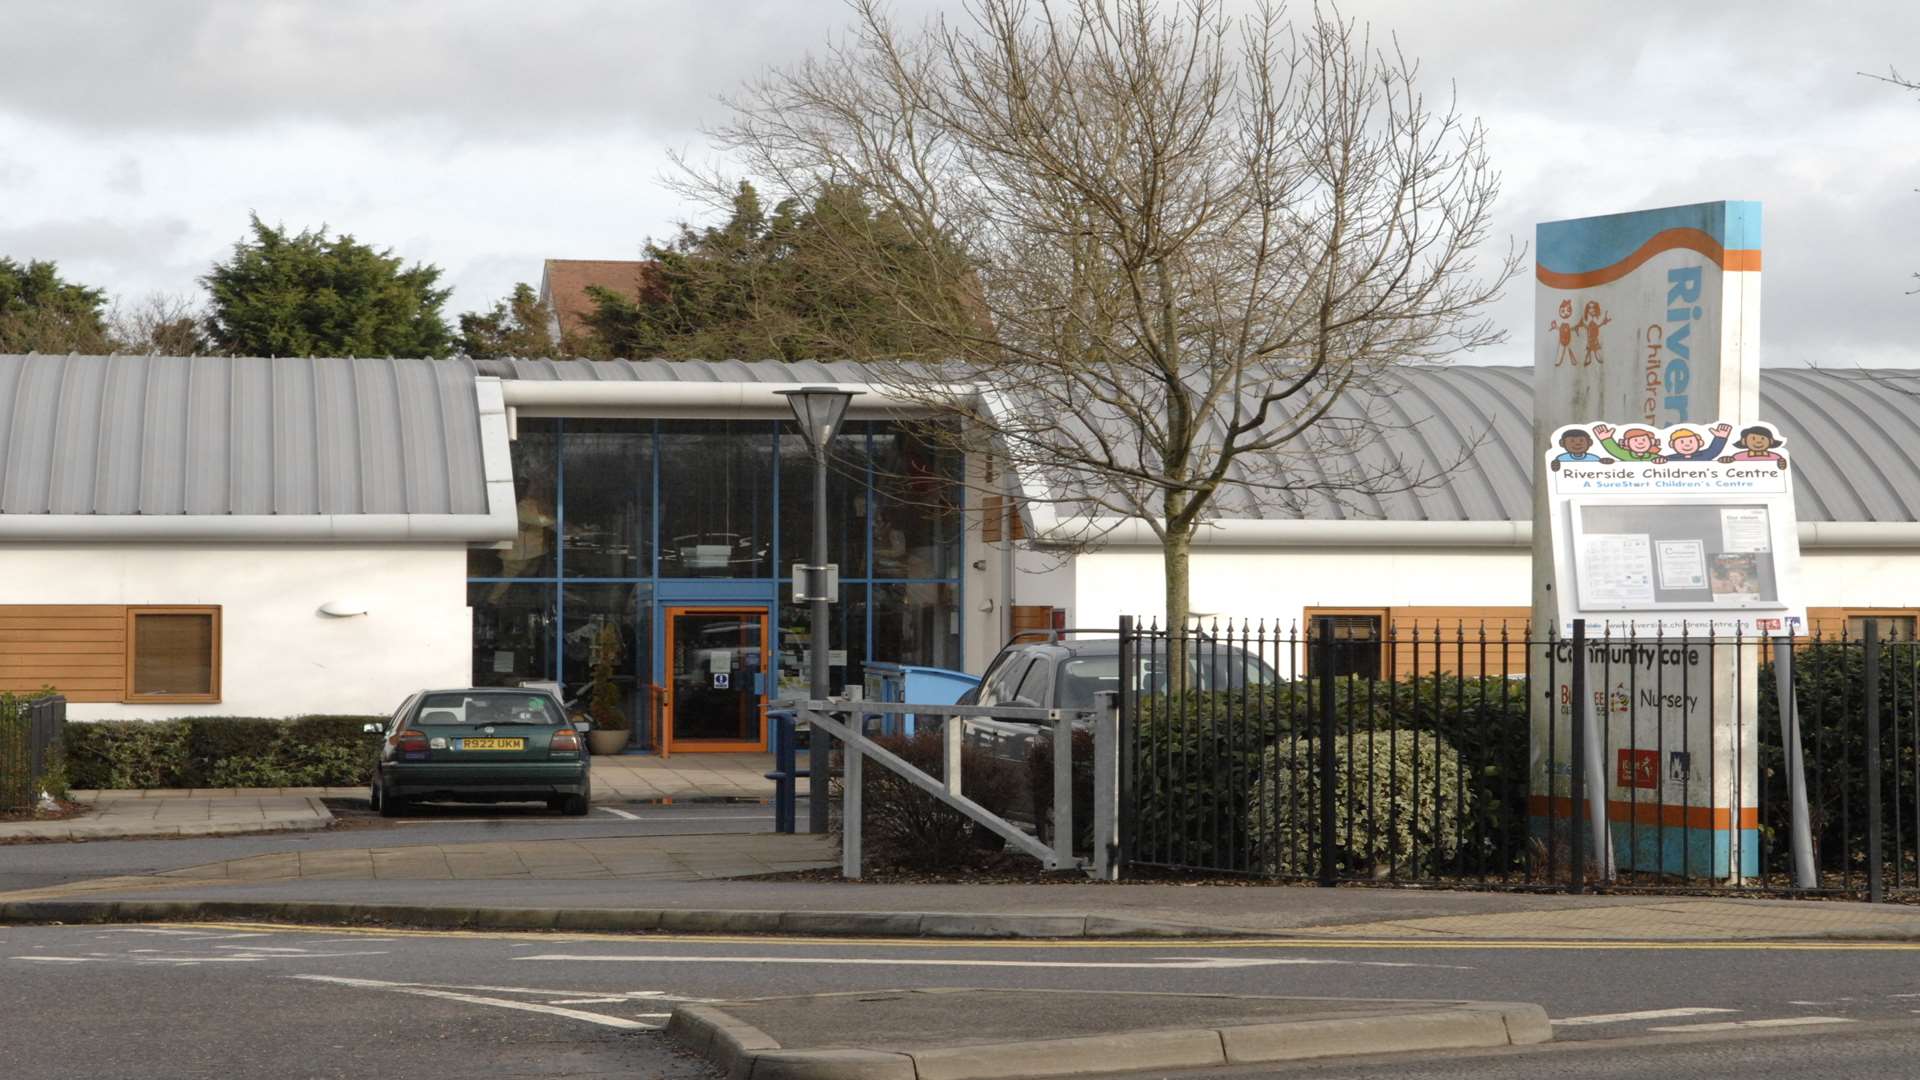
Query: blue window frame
{"points": [[592, 547]]}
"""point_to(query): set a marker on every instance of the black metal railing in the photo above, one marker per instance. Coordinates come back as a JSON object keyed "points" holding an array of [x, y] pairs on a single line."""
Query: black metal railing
{"points": [[1424, 754], [30, 733]]}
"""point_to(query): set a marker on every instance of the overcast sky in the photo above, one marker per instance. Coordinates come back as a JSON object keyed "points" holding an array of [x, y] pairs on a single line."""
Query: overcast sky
{"points": [[486, 136]]}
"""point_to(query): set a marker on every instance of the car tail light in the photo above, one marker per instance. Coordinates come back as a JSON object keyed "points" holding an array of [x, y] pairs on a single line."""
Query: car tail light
{"points": [[565, 740], [411, 743]]}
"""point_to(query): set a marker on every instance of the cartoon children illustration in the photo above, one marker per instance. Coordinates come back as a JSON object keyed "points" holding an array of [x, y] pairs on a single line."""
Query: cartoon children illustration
{"points": [[1576, 445], [1634, 444], [1685, 444], [1591, 320], [1758, 442], [1564, 324]]}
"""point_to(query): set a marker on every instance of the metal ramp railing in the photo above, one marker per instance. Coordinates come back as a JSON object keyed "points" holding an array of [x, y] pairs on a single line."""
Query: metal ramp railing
{"points": [[846, 722]]}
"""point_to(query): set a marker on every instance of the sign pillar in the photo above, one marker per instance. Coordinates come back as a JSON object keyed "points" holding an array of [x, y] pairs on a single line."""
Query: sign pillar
{"points": [[1653, 317]]}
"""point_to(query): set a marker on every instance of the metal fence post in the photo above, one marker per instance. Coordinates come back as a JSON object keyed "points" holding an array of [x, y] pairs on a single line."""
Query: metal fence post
{"points": [[1106, 787], [1876, 886], [1062, 789], [1577, 865], [852, 858], [1323, 664], [1128, 792], [951, 733]]}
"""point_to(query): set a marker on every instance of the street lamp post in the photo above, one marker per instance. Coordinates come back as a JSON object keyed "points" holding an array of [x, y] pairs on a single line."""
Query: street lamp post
{"points": [[818, 411]]}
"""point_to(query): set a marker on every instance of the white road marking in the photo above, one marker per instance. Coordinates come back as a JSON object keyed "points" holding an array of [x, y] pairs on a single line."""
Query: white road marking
{"points": [[62, 959], [1625, 1017], [1737, 1025], [1171, 963], [621, 813], [473, 999], [260, 948]]}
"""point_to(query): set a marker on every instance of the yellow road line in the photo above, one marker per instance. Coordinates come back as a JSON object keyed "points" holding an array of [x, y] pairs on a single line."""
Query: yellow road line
{"points": [[1162, 944]]}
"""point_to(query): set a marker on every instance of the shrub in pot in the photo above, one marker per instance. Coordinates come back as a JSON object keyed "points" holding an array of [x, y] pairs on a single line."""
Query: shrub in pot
{"points": [[610, 724]]}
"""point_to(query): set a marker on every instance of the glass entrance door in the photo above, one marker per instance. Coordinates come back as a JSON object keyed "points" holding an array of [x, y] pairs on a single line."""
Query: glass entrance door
{"points": [[717, 693]]}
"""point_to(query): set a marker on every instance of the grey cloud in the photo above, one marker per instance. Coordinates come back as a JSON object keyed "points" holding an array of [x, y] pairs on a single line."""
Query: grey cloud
{"points": [[125, 177], [484, 66], [96, 239]]}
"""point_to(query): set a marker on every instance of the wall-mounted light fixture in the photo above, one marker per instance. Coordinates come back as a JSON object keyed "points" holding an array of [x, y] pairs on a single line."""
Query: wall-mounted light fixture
{"points": [[342, 609]]}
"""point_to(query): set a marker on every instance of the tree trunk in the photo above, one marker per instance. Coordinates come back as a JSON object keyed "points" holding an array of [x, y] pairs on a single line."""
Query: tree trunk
{"points": [[1175, 555]]}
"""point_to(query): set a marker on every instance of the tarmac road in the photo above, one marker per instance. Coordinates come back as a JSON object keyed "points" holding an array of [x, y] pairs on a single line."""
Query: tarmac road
{"points": [[38, 866], [198, 1000]]}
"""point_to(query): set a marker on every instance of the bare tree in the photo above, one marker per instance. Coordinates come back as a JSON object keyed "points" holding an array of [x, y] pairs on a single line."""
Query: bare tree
{"points": [[161, 324], [1894, 78], [1155, 252]]}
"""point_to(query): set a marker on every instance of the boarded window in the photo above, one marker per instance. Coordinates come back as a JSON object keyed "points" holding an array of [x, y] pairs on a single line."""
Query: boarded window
{"points": [[173, 653]]}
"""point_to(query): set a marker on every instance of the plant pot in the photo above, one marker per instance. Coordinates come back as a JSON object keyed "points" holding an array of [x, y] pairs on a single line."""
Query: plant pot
{"points": [[607, 740]]}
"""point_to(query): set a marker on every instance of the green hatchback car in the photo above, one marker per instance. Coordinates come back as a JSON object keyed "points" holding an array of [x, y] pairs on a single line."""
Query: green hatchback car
{"points": [[481, 745]]}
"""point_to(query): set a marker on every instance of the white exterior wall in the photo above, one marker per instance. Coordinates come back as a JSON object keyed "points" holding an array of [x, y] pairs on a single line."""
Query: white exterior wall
{"points": [[279, 655], [1241, 583]]}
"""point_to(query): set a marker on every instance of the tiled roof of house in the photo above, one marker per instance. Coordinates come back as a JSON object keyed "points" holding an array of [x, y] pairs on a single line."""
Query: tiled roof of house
{"points": [[564, 284]]}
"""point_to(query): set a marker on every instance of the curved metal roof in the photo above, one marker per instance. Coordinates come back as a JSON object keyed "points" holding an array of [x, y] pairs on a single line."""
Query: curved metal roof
{"points": [[210, 435], [250, 436], [679, 371]]}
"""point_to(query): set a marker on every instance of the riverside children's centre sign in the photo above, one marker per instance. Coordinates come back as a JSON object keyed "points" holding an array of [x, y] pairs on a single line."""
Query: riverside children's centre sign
{"points": [[1674, 532], [1649, 320]]}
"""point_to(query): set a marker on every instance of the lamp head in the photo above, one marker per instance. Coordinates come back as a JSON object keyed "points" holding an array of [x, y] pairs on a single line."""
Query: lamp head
{"points": [[818, 410]]}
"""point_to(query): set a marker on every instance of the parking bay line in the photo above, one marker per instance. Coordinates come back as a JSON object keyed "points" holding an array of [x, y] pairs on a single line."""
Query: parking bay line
{"points": [[1625, 1017], [621, 813], [475, 999]]}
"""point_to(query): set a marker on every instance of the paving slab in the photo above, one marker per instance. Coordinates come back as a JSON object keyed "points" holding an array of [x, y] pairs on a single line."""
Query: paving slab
{"points": [[117, 815], [960, 1034]]}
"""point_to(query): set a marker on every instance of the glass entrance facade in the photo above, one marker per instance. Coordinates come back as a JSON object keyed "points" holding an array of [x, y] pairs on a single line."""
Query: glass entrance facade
{"points": [[621, 520]]}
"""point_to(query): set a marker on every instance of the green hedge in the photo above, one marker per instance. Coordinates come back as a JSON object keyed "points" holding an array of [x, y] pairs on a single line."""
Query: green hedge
{"points": [[221, 751], [1830, 684]]}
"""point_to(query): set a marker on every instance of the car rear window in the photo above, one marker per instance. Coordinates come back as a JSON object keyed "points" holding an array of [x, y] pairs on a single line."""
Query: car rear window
{"points": [[483, 707]]}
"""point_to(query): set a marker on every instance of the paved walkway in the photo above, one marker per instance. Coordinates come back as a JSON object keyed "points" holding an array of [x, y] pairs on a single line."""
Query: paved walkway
{"points": [[114, 814], [688, 873]]}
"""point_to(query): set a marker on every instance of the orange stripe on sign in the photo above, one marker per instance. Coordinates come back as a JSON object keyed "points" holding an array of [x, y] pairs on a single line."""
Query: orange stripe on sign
{"points": [[1670, 815], [1665, 240]]}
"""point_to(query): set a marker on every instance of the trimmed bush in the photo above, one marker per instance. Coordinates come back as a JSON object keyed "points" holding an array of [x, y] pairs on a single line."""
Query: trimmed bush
{"points": [[221, 751], [905, 828], [1200, 755], [1383, 821]]}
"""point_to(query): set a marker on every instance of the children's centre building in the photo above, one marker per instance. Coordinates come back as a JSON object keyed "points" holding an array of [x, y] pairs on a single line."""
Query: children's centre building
{"points": [[274, 537]]}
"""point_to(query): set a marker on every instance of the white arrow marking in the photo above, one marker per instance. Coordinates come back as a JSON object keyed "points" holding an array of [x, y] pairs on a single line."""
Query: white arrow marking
{"points": [[473, 999], [1621, 1018], [1172, 963]]}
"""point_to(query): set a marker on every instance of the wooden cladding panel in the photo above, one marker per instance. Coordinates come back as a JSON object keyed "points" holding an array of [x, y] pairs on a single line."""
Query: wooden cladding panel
{"points": [[78, 649], [1424, 640], [1027, 618], [1000, 520]]}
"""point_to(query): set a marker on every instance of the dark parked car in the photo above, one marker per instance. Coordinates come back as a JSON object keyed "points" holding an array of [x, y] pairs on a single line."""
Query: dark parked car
{"points": [[481, 745], [1065, 672]]}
